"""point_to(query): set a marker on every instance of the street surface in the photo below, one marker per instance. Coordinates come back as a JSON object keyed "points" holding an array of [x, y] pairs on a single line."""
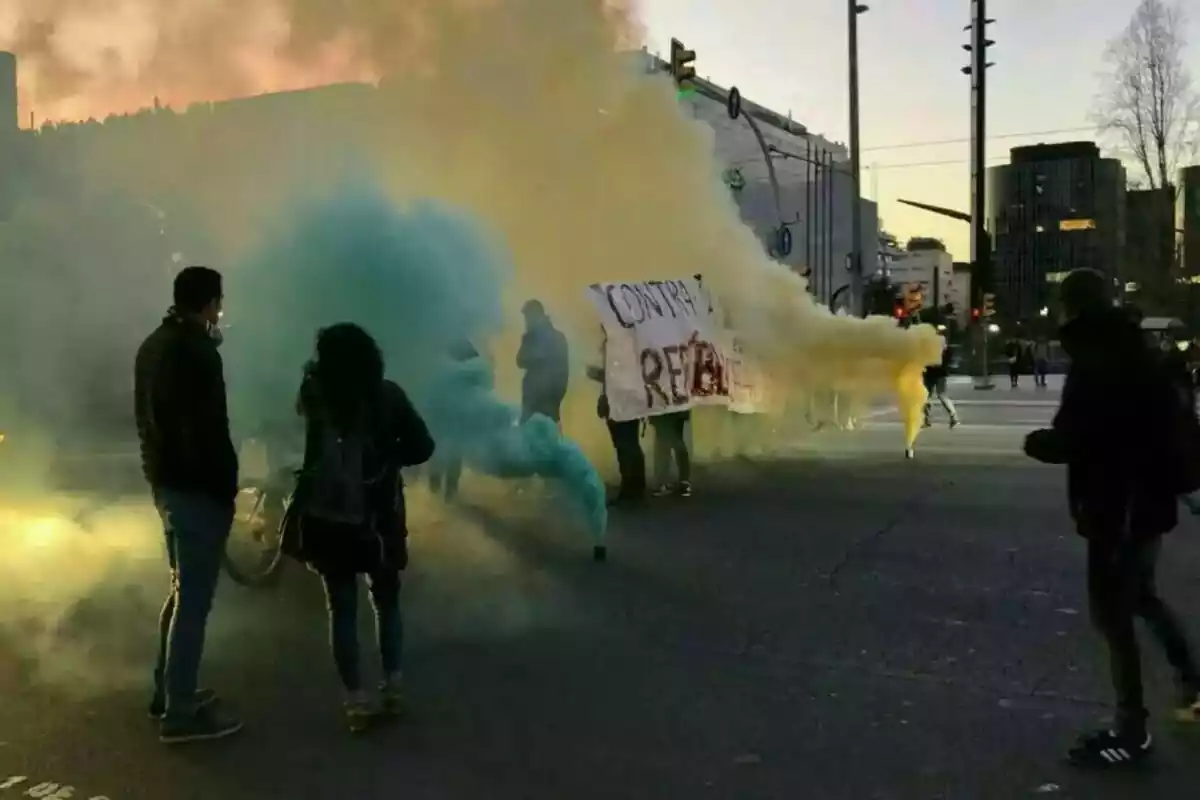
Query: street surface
{"points": [[843, 626]]}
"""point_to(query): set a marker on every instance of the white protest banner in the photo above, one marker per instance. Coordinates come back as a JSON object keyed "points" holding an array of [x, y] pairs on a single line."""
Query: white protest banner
{"points": [[667, 350]]}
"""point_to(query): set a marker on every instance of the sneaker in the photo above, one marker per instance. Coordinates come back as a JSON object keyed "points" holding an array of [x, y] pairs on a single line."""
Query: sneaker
{"points": [[1187, 710], [392, 699], [954, 423], [926, 424], [666, 490], [204, 697], [359, 714], [909, 453], [684, 489], [204, 725], [1106, 749]]}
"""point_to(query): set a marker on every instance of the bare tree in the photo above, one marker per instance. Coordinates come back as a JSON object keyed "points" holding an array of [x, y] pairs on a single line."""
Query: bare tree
{"points": [[1148, 98]]}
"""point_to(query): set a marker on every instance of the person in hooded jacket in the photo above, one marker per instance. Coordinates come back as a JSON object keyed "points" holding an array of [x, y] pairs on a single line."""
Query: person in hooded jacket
{"points": [[1116, 431], [543, 356]]}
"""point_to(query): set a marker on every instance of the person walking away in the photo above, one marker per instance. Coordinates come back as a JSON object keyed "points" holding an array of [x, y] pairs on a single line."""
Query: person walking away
{"points": [[669, 441], [445, 470], [1012, 351], [543, 356], [1041, 361], [1128, 445], [626, 439], [936, 378], [348, 515], [189, 461]]}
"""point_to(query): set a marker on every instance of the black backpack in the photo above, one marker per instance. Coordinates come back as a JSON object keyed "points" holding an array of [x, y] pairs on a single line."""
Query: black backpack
{"points": [[336, 515]]}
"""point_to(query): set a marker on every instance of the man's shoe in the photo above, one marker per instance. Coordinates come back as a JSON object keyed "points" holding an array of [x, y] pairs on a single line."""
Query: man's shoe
{"points": [[954, 423], [1187, 709], [684, 489], [204, 725], [666, 490], [359, 714], [392, 698], [204, 697], [1106, 749]]}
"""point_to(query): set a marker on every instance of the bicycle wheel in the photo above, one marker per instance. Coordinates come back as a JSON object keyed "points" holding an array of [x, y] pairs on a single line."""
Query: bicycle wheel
{"points": [[253, 555]]}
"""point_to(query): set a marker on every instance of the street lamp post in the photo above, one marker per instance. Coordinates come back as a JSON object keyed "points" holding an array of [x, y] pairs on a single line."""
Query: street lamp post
{"points": [[853, 9]]}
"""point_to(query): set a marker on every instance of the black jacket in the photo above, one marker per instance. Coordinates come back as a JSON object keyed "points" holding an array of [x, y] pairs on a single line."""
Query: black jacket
{"points": [[1114, 430], [404, 441], [182, 419], [544, 357]]}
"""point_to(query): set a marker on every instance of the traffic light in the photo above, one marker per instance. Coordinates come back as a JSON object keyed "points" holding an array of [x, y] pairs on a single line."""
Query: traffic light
{"points": [[974, 313], [683, 70], [989, 304]]}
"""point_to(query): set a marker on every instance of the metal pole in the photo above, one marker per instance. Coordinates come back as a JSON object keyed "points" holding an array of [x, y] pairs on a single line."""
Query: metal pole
{"points": [[856, 274], [830, 177], [980, 242], [810, 195]]}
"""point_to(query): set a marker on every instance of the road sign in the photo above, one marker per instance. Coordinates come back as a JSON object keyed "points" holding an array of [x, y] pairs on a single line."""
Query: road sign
{"points": [[733, 103]]}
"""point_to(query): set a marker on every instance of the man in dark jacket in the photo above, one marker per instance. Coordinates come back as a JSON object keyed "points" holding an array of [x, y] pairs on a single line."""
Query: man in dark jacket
{"points": [[1114, 430], [544, 358], [189, 461]]}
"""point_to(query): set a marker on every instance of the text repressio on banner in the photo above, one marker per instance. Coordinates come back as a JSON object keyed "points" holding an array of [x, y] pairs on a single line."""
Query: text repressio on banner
{"points": [[667, 349]]}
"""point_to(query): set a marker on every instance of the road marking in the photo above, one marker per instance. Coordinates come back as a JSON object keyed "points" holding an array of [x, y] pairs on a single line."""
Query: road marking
{"points": [[982, 427], [43, 791], [1016, 403]]}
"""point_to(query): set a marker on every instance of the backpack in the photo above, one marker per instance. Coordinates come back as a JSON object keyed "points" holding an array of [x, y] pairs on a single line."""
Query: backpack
{"points": [[335, 520]]}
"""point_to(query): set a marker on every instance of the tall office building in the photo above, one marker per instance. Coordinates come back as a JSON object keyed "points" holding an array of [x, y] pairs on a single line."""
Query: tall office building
{"points": [[1052, 209], [1187, 221]]}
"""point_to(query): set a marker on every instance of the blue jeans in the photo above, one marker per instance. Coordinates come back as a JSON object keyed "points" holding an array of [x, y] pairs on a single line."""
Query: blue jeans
{"points": [[341, 591], [196, 528]]}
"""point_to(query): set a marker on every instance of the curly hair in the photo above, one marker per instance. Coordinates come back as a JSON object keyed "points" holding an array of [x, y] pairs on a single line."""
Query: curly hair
{"points": [[346, 374]]}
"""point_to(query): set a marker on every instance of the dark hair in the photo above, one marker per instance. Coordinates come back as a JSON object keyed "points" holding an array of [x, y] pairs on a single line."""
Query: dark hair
{"points": [[347, 373], [534, 308], [1084, 290], [195, 288]]}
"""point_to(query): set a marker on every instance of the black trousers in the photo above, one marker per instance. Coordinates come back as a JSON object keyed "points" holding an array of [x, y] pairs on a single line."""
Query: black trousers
{"points": [[669, 441], [1122, 586], [631, 461]]}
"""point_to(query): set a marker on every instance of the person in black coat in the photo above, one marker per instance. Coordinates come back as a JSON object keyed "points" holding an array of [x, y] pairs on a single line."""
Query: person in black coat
{"points": [[190, 463], [1115, 431], [344, 394]]}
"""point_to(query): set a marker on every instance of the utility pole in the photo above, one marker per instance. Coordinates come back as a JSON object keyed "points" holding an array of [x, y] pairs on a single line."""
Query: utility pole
{"points": [[854, 9], [981, 246]]}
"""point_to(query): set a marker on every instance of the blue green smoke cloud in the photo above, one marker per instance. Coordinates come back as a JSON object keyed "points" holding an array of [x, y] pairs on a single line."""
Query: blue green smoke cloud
{"points": [[419, 279]]}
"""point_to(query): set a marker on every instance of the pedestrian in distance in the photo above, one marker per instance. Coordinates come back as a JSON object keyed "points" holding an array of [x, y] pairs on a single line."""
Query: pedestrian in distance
{"points": [[1012, 352], [936, 377], [1041, 361], [190, 463], [446, 467], [544, 358], [347, 517], [1129, 447], [670, 443]]}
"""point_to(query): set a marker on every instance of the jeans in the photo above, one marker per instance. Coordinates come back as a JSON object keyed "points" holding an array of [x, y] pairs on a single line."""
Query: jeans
{"points": [[631, 461], [938, 390], [444, 475], [669, 441], [341, 593], [1039, 372], [1121, 586], [196, 528]]}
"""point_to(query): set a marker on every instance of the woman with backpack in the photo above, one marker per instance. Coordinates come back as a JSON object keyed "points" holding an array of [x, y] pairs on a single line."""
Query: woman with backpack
{"points": [[347, 517]]}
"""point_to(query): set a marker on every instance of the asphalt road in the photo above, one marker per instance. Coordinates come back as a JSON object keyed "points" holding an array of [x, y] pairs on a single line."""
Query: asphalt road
{"points": [[843, 626]]}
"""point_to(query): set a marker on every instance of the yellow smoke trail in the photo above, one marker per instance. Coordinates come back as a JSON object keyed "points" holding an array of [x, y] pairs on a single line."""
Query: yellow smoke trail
{"points": [[525, 111]]}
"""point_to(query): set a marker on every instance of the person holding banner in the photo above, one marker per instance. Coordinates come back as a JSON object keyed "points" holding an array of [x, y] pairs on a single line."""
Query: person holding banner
{"points": [[669, 441], [626, 439]]}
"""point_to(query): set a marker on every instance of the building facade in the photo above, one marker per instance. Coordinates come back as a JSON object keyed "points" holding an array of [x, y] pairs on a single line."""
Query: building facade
{"points": [[925, 263], [816, 188], [1052, 209], [1187, 221]]}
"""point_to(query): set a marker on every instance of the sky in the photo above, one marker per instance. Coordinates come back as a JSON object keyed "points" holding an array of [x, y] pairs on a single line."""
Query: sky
{"points": [[1048, 56]]}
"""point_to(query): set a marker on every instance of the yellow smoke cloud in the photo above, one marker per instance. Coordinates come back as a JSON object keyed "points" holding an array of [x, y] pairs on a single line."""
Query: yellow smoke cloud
{"points": [[531, 113]]}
